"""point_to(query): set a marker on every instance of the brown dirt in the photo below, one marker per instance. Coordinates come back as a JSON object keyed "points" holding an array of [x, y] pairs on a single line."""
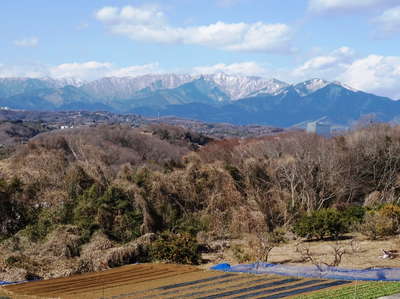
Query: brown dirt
{"points": [[136, 281], [112, 281], [360, 253]]}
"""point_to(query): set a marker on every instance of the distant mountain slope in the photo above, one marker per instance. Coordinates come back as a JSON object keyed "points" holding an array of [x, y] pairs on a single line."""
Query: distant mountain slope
{"points": [[64, 98], [124, 88], [14, 86], [340, 105], [238, 87], [215, 98]]}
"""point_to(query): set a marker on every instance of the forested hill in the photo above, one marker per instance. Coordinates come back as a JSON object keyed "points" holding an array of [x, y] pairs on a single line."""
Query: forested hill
{"points": [[91, 198]]}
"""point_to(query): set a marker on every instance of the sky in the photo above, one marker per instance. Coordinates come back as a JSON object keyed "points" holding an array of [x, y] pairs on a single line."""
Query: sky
{"points": [[356, 42]]}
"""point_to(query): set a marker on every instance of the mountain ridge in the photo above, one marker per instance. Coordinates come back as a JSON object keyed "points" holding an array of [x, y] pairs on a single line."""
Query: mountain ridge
{"points": [[216, 97]]}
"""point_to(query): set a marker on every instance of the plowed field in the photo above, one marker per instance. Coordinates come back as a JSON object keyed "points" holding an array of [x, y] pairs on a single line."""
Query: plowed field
{"points": [[168, 281]]}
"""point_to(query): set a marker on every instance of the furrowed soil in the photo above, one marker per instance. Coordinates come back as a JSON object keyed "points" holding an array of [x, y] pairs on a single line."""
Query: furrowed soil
{"points": [[167, 281]]}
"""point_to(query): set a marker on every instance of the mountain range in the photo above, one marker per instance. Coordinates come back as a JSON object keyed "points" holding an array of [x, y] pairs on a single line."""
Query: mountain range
{"points": [[218, 97]]}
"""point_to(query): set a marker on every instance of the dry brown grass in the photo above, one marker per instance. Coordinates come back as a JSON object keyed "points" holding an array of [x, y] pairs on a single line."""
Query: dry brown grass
{"points": [[63, 242], [360, 253]]}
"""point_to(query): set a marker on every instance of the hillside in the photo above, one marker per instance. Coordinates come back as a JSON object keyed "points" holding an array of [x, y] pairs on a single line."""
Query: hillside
{"points": [[93, 198]]}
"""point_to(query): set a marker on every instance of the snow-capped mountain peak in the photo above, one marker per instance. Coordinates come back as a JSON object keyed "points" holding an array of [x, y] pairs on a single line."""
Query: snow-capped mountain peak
{"points": [[272, 87], [126, 87], [62, 82], [238, 87], [308, 87], [345, 86]]}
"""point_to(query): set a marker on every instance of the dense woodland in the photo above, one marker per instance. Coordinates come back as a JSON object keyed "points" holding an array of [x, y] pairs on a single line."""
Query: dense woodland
{"points": [[97, 197]]}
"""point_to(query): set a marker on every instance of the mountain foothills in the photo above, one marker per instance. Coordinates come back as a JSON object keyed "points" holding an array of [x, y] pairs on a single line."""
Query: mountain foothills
{"points": [[212, 98]]}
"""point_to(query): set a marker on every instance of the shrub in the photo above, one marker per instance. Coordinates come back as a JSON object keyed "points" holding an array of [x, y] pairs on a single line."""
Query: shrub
{"points": [[392, 212], [240, 254], [21, 261], [354, 214], [324, 223], [382, 223], [14, 213], [43, 224], [112, 211], [121, 256], [13, 260], [176, 248]]}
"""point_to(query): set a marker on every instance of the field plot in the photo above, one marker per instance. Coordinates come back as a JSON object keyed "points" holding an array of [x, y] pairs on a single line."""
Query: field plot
{"points": [[169, 281]]}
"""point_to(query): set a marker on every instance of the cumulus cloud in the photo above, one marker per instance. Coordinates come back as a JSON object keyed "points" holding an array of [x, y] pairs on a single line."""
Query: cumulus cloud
{"points": [[150, 25], [326, 66], [250, 68], [376, 74], [344, 6], [389, 21], [27, 42]]}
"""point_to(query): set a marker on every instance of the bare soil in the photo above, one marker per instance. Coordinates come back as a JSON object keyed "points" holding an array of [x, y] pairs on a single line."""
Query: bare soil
{"points": [[157, 280], [360, 253]]}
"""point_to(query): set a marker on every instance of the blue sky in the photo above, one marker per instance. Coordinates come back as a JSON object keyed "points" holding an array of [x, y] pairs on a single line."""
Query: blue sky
{"points": [[356, 42]]}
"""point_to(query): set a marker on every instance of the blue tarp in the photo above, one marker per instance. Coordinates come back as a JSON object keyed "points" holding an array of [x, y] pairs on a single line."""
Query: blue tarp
{"points": [[2, 283], [376, 274]]}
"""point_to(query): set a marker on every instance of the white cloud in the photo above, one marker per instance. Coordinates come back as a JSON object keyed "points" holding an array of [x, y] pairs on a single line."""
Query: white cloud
{"points": [[93, 69], [326, 66], [87, 70], [149, 24], [80, 70], [344, 6], [376, 74], [136, 70], [250, 68], [389, 21], [27, 42], [31, 71]]}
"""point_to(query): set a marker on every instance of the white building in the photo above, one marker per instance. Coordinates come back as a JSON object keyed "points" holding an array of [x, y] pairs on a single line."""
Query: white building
{"points": [[319, 128]]}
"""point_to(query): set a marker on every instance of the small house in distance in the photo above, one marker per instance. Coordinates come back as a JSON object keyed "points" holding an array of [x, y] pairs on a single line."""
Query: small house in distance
{"points": [[319, 128]]}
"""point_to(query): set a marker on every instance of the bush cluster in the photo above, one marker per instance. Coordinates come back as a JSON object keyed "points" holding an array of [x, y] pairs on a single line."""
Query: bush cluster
{"points": [[375, 223], [328, 223], [181, 248], [381, 222]]}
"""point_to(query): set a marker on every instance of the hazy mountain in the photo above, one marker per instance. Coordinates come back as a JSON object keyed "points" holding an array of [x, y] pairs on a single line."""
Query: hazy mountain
{"points": [[217, 98], [126, 87], [238, 87], [339, 104], [234, 86], [13, 86], [64, 98]]}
